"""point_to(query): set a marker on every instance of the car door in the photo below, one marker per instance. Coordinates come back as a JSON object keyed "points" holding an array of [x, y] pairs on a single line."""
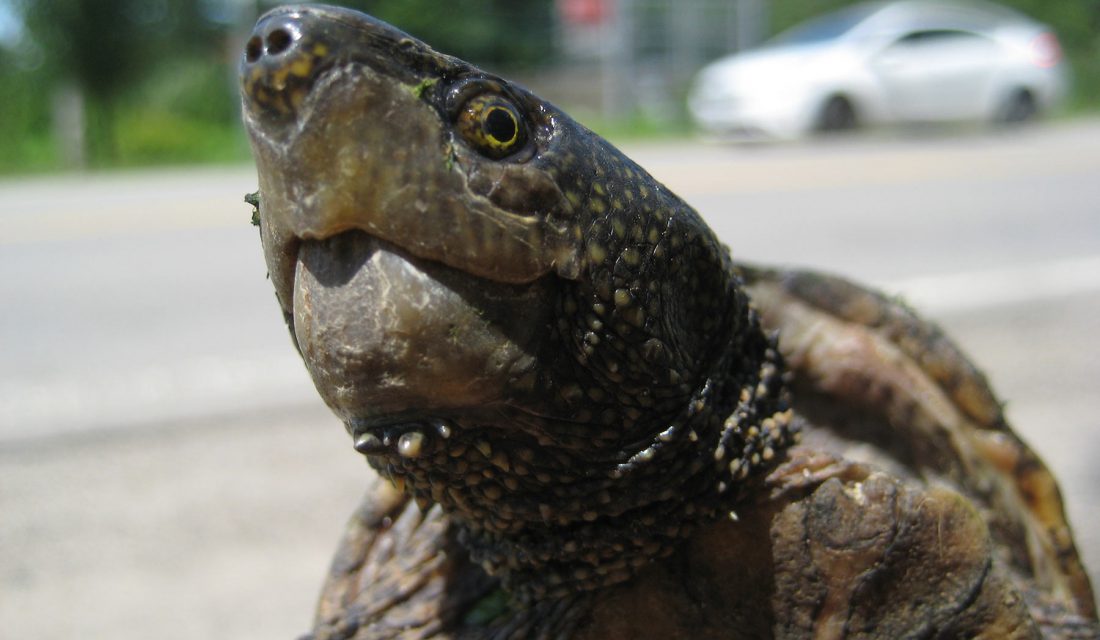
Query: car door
{"points": [[937, 74]]}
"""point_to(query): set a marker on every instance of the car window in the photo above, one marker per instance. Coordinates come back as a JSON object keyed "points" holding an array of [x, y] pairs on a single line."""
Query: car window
{"points": [[827, 27], [925, 36]]}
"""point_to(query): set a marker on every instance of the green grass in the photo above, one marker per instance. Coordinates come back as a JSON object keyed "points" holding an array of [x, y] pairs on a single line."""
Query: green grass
{"points": [[29, 154], [141, 138], [635, 127], [160, 137]]}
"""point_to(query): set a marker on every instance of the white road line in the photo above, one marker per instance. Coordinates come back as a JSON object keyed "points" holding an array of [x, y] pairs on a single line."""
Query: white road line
{"points": [[969, 291]]}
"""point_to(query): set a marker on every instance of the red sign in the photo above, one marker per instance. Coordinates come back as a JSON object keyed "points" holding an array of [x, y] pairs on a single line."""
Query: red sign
{"points": [[578, 12]]}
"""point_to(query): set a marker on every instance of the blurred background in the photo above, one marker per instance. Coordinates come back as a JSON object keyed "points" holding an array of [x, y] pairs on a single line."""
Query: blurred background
{"points": [[166, 469]]}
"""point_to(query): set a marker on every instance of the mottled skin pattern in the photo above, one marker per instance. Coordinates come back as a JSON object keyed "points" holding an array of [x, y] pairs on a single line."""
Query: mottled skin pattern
{"points": [[582, 427]]}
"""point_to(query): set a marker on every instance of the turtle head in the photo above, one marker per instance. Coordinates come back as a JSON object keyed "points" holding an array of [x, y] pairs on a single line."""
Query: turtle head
{"points": [[512, 318]]}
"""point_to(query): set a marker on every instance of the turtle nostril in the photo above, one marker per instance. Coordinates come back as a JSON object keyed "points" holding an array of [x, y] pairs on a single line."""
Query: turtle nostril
{"points": [[254, 49], [278, 41]]}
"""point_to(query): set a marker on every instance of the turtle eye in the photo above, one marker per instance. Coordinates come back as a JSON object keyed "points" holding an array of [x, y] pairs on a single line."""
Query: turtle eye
{"points": [[492, 125]]}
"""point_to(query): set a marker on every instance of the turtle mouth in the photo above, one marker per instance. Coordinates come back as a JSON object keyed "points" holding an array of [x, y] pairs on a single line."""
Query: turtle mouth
{"points": [[398, 344]]}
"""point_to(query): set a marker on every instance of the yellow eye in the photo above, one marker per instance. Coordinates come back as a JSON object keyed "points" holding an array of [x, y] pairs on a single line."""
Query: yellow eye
{"points": [[492, 125]]}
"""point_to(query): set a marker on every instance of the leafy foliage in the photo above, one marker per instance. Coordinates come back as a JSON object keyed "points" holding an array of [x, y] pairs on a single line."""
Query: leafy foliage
{"points": [[500, 33]]}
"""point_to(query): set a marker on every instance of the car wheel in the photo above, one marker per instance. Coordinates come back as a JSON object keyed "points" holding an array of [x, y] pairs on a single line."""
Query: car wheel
{"points": [[1018, 108], [838, 114]]}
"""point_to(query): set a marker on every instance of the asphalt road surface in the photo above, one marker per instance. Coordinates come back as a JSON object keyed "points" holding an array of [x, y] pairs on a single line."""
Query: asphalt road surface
{"points": [[167, 471]]}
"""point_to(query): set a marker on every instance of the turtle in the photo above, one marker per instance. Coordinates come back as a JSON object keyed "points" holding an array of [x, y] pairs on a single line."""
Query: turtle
{"points": [[584, 418]]}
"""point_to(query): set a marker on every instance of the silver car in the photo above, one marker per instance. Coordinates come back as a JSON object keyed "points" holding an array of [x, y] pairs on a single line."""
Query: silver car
{"points": [[883, 62]]}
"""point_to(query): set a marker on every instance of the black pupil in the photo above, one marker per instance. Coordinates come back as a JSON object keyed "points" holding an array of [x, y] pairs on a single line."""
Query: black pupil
{"points": [[500, 124]]}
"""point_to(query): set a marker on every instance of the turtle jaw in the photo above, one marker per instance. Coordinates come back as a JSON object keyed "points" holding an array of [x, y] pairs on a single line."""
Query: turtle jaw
{"points": [[388, 337]]}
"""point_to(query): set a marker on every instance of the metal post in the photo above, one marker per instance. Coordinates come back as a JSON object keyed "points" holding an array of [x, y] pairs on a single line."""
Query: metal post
{"points": [[617, 60]]}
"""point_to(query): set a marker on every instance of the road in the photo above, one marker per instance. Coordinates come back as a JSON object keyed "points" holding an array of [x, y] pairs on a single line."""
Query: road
{"points": [[166, 469]]}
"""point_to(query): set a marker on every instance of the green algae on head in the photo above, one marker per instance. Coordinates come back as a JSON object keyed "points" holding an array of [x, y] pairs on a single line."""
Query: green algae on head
{"points": [[513, 319]]}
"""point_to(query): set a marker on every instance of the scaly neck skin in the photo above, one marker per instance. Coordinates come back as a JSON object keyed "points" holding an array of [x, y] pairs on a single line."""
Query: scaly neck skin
{"points": [[554, 507]]}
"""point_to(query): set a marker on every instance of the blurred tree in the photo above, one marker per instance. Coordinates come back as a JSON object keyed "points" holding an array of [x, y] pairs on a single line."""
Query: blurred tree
{"points": [[501, 33], [24, 113], [1076, 22], [100, 58], [103, 48], [94, 45]]}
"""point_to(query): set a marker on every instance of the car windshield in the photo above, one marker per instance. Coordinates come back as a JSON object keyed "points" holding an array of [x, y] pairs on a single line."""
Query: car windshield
{"points": [[827, 27]]}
